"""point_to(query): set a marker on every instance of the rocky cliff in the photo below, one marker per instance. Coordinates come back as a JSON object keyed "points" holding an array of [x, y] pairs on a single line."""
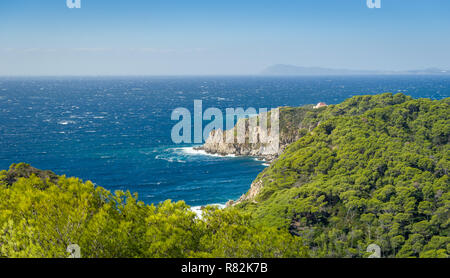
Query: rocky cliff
{"points": [[293, 123], [265, 147]]}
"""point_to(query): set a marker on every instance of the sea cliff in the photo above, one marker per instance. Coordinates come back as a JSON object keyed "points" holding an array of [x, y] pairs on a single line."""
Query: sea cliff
{"points": [[294, 122]]}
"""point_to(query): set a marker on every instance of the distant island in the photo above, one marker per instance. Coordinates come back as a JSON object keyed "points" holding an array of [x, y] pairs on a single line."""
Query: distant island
{"points": [[291, 70]]}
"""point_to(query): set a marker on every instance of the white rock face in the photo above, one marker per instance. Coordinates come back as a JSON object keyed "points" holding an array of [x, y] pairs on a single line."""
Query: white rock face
{"points": [[246, 140], [254, 190], [216, 144]]}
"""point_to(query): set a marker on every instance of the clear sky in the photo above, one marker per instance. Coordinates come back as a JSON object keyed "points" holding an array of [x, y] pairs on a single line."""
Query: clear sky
{"points": [[176, 37]]}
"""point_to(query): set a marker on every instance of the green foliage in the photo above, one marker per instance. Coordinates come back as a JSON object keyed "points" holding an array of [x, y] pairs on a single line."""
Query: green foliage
{"points": [[375, 170], [40, 218], [295, 122]]}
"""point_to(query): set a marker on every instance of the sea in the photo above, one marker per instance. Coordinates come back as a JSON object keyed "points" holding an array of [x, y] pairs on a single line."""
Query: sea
{"points": [[116, 131]]}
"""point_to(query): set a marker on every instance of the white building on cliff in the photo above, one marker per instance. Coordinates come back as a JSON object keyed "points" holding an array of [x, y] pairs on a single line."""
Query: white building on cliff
{"points": [[320, 104]]}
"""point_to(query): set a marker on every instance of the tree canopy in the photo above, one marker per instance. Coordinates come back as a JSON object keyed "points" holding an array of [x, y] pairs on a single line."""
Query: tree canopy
{"points": [[371, 170], [375, 170], [41, 214]]}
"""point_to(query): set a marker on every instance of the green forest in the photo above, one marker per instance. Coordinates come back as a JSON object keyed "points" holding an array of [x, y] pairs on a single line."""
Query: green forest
{"points": [[375, 170], [41, 214], [371, 170]]}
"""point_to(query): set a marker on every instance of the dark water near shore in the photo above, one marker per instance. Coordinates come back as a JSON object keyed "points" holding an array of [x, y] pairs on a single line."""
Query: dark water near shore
{"points": [[116, 131]]}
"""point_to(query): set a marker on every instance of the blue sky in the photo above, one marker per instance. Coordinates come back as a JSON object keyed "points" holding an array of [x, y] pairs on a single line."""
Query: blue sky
{"points": [[177, 37]]}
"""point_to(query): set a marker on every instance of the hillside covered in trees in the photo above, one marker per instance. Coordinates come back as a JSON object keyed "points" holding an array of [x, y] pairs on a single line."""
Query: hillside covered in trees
{"points": [[41, 214], [373, 169], [294, 123]]}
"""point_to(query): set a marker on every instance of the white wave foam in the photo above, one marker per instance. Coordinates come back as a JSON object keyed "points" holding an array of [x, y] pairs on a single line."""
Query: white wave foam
{"points": [[263, 162], [170, 159], [65, 122], [198, 209], [192, 151]]}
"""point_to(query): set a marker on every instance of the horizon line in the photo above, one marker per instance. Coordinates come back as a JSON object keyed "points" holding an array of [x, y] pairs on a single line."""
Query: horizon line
{"points": [[224, 75]]}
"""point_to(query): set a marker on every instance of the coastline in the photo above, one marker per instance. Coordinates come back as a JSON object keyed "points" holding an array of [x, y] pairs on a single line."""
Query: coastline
{"points": [[197, 150]]}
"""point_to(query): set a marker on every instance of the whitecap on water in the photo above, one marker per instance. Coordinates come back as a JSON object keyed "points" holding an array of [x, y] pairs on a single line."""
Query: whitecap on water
{"points": [[193, 151], [170, 158], [64, 122], [183, 154]]}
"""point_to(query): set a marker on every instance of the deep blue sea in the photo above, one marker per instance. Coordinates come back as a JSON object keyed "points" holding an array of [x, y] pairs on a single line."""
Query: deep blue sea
{"points": [[115, 131]]}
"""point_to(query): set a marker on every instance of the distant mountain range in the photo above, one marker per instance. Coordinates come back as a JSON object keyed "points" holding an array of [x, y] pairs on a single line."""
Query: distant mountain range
{"points": [[290, 70]]}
